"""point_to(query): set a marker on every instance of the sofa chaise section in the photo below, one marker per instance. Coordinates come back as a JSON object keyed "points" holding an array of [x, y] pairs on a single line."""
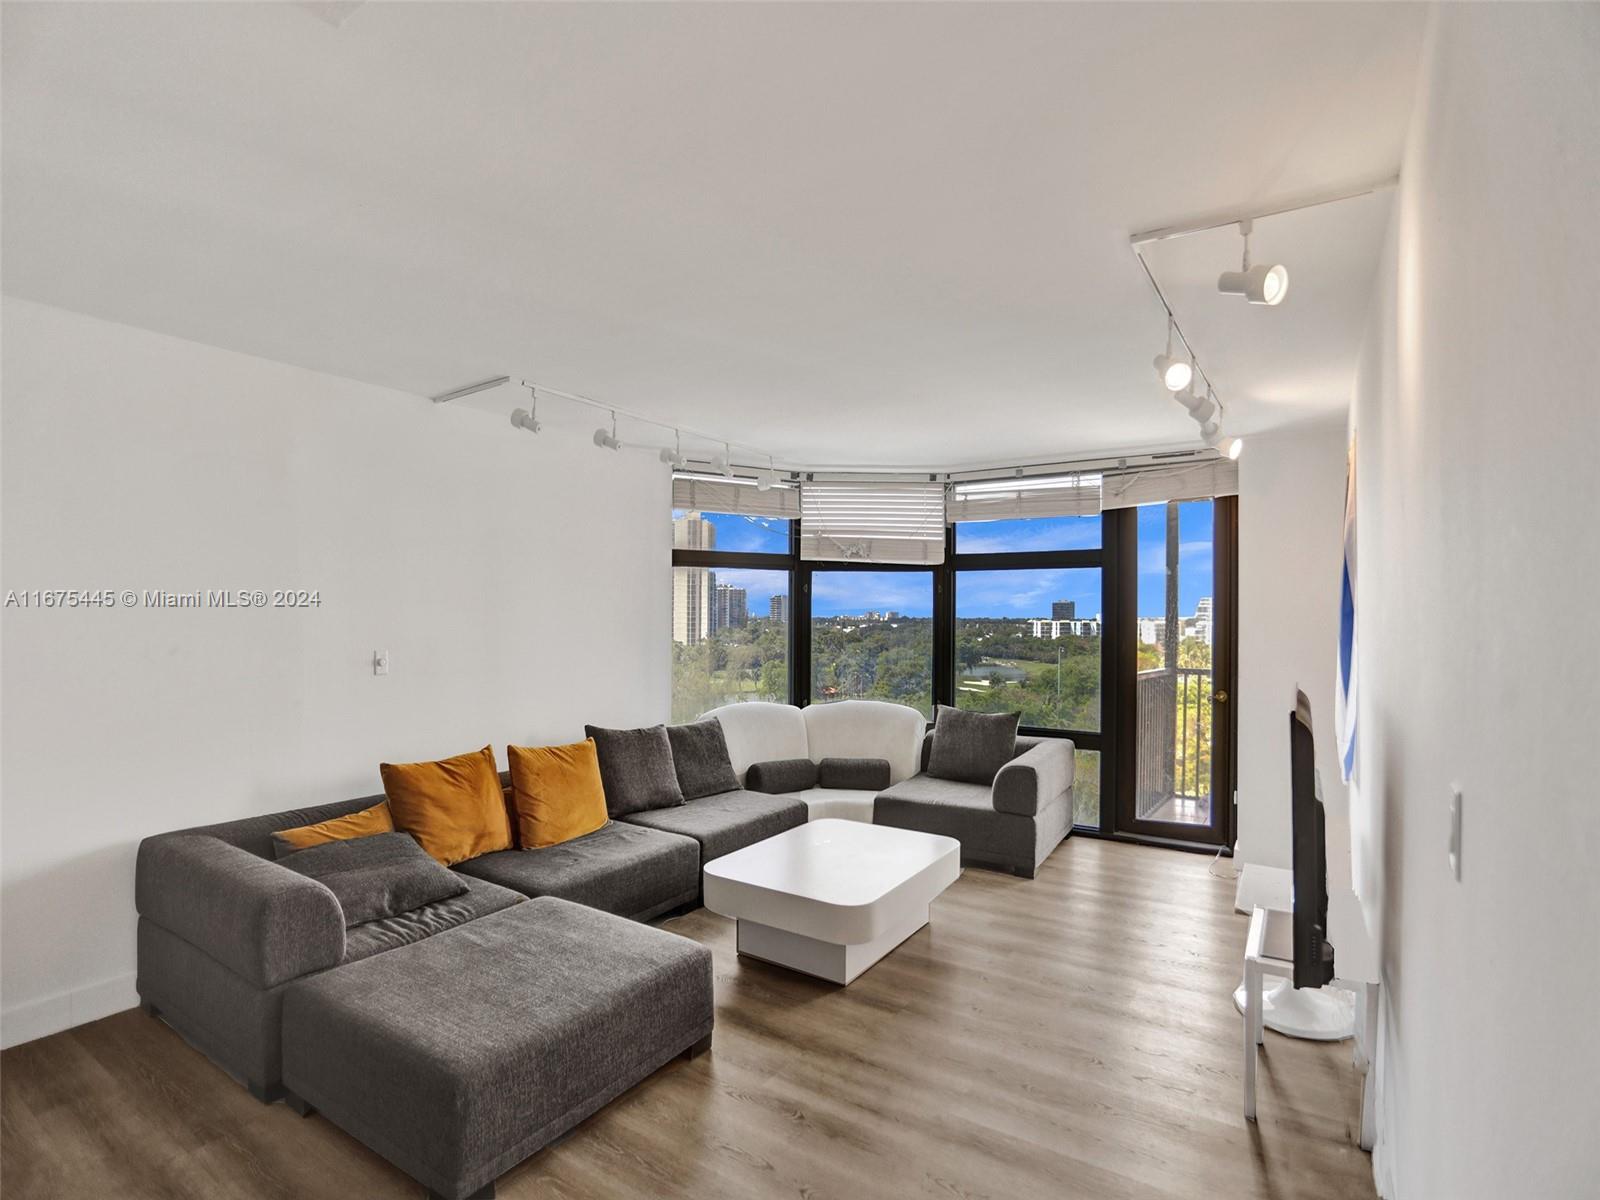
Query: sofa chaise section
{"points": [[460, 1056], [622, 868], [223, 930], [1011, 825]]}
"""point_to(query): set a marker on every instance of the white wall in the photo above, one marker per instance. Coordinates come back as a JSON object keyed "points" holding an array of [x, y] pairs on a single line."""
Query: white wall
{"points": [[1291, 521], [511, 611], [1479, 513]]}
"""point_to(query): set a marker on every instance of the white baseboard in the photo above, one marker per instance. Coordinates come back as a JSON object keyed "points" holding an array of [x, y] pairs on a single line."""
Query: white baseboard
{"points": [[40, 1018]]}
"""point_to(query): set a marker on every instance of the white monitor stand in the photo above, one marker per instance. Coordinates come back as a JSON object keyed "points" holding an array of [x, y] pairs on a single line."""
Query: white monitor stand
{"points": [[1325, 1014]]}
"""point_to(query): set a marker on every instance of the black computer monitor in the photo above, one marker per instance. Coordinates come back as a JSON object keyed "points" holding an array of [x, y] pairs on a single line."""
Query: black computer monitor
{"points": [[1313, 956]]}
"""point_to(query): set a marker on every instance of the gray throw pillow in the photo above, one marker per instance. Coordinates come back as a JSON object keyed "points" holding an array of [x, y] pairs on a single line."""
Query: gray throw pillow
{"points": [[971, 747], [636, 769], [781, 775], [375, 877], [700, 759], [855, 774]]}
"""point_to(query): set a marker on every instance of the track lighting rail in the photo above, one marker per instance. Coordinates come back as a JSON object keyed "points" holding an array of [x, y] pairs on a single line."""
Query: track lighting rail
{"points": [[1219, 221]]}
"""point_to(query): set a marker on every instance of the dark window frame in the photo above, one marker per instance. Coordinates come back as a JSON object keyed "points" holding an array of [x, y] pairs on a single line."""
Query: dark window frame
{"points": [[1117, 561], [1095, 740], [800, 693]]}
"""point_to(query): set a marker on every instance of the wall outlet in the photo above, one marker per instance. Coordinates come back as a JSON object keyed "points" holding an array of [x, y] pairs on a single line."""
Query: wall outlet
{"points": [[1455, 832], [380, 662]]}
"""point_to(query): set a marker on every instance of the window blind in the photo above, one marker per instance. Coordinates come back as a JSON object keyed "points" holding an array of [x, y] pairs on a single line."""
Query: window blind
{"points": [[725, 496], [1036, 496], [872, 522], [1157, 485]]}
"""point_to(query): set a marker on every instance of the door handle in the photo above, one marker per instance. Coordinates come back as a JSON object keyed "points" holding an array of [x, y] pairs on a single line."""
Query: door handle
{"points": [[1222, 697]]}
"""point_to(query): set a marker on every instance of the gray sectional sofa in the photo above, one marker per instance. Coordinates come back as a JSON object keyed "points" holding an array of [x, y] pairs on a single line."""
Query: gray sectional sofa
{"points": [[458, 1037]]}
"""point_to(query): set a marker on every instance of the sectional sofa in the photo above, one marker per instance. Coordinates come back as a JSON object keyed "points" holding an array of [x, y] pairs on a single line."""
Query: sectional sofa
{"points": [[458, 1037]]}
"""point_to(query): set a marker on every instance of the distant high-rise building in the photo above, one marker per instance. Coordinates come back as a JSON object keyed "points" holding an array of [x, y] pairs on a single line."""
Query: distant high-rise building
{"points": [[693, 588], [1202, 619], [730, 607], [1064, 610], [693, 532], [778, 609], [1053, 629]]}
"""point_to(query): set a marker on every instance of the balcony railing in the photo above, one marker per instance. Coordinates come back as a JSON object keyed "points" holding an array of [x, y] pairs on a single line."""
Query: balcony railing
{"points": [[1174, 745]]}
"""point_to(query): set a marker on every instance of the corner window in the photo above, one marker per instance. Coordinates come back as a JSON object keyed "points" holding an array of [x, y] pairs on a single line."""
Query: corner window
{"points": [[872, 637], [1029, 632], [1028, 535], [1029, 642], [730, 621]]}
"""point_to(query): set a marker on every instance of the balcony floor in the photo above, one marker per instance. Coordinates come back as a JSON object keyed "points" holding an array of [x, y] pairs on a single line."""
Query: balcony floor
{"points": [[1183, 810]]}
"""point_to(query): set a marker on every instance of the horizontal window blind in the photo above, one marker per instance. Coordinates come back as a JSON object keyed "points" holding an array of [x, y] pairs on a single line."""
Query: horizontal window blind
{"points": [[1157, 485], [724, 496], [1038, 496], [872, 522]]}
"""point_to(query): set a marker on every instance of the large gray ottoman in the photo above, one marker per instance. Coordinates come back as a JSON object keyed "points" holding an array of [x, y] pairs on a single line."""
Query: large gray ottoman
{"points": [[459, 1056]]}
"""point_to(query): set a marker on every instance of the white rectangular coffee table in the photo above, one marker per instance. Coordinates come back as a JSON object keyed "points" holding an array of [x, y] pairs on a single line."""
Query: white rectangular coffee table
{"points": [[830, 898]]}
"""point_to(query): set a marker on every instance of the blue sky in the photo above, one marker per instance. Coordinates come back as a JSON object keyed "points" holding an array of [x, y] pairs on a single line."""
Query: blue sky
{"points": [[987, 593], [1194, 557], [749, 535]]}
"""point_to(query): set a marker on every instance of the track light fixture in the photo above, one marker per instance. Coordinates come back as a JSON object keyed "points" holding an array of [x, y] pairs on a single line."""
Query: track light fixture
{"points": [[1211, 433], [608, 441], [1175, 373], [673, 456], [527, 418], [1266, 283], [1231, 447]]}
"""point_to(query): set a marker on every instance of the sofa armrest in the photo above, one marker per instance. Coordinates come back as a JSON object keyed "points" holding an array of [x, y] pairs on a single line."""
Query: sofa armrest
{"points": [[854, 774], [782, 776], [262, 921], [1036, 778]]}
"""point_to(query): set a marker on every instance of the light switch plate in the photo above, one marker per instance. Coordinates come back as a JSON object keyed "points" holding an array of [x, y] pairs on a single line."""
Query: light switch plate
{"points": [[380, 662]]}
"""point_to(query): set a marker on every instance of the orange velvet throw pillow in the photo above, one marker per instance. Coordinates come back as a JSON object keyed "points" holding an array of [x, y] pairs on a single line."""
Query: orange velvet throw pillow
{"points": [[336, 829], [454, 807], [557, 792]]}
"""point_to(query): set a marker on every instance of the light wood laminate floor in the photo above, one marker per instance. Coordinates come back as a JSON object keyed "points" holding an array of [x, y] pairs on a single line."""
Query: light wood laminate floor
{"points": [[1068, 1036]]}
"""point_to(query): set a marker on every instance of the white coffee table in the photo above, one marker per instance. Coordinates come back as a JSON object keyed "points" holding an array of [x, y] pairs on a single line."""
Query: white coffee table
{"points": [[830, 898]]}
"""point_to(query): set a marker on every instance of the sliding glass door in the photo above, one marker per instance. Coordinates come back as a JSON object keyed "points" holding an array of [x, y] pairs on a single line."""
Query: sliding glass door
{"points": [[1180, 783]]}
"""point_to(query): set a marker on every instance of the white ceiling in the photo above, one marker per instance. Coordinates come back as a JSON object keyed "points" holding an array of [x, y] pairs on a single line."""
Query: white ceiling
{"points": [[850, 235]]}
